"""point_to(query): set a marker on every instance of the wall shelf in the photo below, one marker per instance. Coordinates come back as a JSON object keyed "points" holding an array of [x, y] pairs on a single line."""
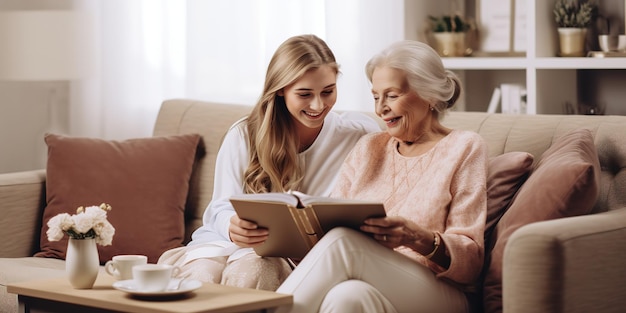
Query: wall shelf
{"points": [[494, 63], [580, 63], [550, 81]]}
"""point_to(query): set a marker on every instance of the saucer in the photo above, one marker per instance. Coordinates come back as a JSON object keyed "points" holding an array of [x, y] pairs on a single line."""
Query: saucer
{"points": [[130, 286]]}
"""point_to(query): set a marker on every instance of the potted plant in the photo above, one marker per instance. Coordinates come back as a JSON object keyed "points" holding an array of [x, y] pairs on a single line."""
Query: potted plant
{"points": [[572, 18], [449, 34]]}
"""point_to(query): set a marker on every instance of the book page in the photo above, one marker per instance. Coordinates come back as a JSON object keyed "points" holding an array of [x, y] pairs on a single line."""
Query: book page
{"points": [[308, 199], [278, 197]]}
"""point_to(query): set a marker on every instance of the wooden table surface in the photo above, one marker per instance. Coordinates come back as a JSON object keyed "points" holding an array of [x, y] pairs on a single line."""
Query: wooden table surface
{"points": [[209, 298]]}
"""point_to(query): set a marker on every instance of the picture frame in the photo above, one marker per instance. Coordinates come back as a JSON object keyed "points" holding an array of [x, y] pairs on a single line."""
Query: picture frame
{"points": [[502, 27]]}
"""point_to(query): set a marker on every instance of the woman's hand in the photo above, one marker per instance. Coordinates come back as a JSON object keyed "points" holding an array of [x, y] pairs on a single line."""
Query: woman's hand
{"points": [[245, 233], [394, 231]]}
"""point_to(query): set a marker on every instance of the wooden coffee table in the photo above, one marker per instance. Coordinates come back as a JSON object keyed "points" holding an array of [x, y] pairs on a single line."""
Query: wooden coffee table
{"points": [[57, 295]]}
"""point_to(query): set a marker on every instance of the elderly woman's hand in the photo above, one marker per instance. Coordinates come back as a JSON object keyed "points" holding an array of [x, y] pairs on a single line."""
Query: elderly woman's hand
{"points": [[394, 231]]}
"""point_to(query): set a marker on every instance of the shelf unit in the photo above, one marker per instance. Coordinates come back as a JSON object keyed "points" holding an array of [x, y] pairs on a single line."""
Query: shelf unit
{"points": [[550, 81]]}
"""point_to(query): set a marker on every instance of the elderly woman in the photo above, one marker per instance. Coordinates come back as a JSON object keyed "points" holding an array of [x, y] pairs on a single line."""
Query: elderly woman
{"points": [[428, 252]]}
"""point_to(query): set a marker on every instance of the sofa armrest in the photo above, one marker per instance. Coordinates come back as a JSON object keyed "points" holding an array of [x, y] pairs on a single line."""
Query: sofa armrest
{"points": [[571, 264], [22, 198]]}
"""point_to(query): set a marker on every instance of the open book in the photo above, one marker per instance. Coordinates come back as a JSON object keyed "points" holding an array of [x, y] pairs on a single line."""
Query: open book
{"points": [[297, 221]]}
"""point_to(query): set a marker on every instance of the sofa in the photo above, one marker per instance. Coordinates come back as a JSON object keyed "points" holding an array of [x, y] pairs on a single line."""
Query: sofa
{"points": [[553, 264]]}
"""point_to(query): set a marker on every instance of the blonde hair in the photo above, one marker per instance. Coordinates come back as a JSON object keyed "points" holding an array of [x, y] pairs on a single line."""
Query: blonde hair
{"points": [[273, 142], [425, 72]]}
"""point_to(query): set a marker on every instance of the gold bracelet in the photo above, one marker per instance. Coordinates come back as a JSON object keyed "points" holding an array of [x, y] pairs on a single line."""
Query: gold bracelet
{"points": [[436, 244]]}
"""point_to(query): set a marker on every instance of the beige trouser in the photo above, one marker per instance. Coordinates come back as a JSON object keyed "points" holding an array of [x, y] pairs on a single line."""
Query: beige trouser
{"points": [[347, 271], [249, 271]]}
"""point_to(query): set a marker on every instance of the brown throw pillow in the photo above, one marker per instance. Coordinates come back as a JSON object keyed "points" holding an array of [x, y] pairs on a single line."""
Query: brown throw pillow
{"points": [[506, 173], [563, 183], [145, 181]]}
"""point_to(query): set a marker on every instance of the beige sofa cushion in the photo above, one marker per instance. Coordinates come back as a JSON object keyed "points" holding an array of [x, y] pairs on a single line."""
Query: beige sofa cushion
{"points": [[15, 270], [563, 183], [145, 180]]}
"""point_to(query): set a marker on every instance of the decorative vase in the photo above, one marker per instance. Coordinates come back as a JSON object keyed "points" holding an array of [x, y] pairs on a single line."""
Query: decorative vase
{"points": [[82, 263], [572, 41], [450, 44]]}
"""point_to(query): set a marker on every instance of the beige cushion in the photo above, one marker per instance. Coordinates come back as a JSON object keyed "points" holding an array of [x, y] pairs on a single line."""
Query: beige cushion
{"points": [[145, 180], [15, 270], [563, 183]]}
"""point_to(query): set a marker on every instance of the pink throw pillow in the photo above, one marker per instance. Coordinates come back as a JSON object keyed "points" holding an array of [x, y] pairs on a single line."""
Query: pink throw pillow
{"points": [[145, 180], [564, 183]]}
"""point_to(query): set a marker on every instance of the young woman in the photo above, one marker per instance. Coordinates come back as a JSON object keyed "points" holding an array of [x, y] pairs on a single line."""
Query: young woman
{"points": [[428, 251], [290, 141]]}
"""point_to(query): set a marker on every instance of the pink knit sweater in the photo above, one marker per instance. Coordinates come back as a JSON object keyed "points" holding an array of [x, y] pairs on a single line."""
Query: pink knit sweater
{"points": [[443, 190]]}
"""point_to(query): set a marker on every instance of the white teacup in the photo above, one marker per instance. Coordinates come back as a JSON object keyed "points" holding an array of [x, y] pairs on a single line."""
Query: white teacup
{"points": [[612, 42], [121, 266], [154, 277]]}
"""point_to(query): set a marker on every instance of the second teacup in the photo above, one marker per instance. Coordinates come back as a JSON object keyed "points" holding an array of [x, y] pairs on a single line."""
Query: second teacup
{"points": [[154, 277], [121, 266]]}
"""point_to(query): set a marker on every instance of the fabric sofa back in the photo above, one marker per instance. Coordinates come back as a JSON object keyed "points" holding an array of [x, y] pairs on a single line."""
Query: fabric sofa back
{"points": [[211, 121], [535, 133], [504, 133]]}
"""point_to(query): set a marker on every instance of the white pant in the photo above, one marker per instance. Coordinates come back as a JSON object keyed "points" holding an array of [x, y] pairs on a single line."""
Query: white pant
{"points": [[247, 271], [346, 271]]}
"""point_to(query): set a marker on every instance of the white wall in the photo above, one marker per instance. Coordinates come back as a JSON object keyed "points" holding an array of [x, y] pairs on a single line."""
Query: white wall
{"points": [[25, 107], [29, 109], [24, 119]]}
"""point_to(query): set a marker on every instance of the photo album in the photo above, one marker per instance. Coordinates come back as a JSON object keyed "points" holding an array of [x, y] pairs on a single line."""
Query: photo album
{"points": [[296, 221]]}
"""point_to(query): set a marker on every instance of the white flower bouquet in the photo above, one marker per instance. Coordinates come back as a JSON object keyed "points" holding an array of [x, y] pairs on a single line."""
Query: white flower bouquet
{"points": [[90, 222]]}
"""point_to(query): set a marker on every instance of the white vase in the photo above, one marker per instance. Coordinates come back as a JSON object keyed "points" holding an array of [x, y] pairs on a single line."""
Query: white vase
{"points": [[82, 263]]}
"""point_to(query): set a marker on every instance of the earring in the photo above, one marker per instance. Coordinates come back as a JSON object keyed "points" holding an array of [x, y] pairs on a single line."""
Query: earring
{"points": [[432, 108]]}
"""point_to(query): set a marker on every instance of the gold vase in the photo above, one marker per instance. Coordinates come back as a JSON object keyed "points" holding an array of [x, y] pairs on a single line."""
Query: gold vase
{"points": [[450, 44], [572, 42]]}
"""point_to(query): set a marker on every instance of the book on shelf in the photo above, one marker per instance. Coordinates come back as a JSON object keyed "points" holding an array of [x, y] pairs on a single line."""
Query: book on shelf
{"points": [[495, 100], [504, 25], [297, 221], [513, 99]]}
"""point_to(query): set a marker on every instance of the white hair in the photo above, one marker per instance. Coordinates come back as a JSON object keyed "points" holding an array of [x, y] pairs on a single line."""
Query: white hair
{"points": [[424, 69]]}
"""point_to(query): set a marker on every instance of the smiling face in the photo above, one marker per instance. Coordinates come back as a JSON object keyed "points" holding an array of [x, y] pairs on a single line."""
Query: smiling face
{"points": [[406, 115], [310, 98]]}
